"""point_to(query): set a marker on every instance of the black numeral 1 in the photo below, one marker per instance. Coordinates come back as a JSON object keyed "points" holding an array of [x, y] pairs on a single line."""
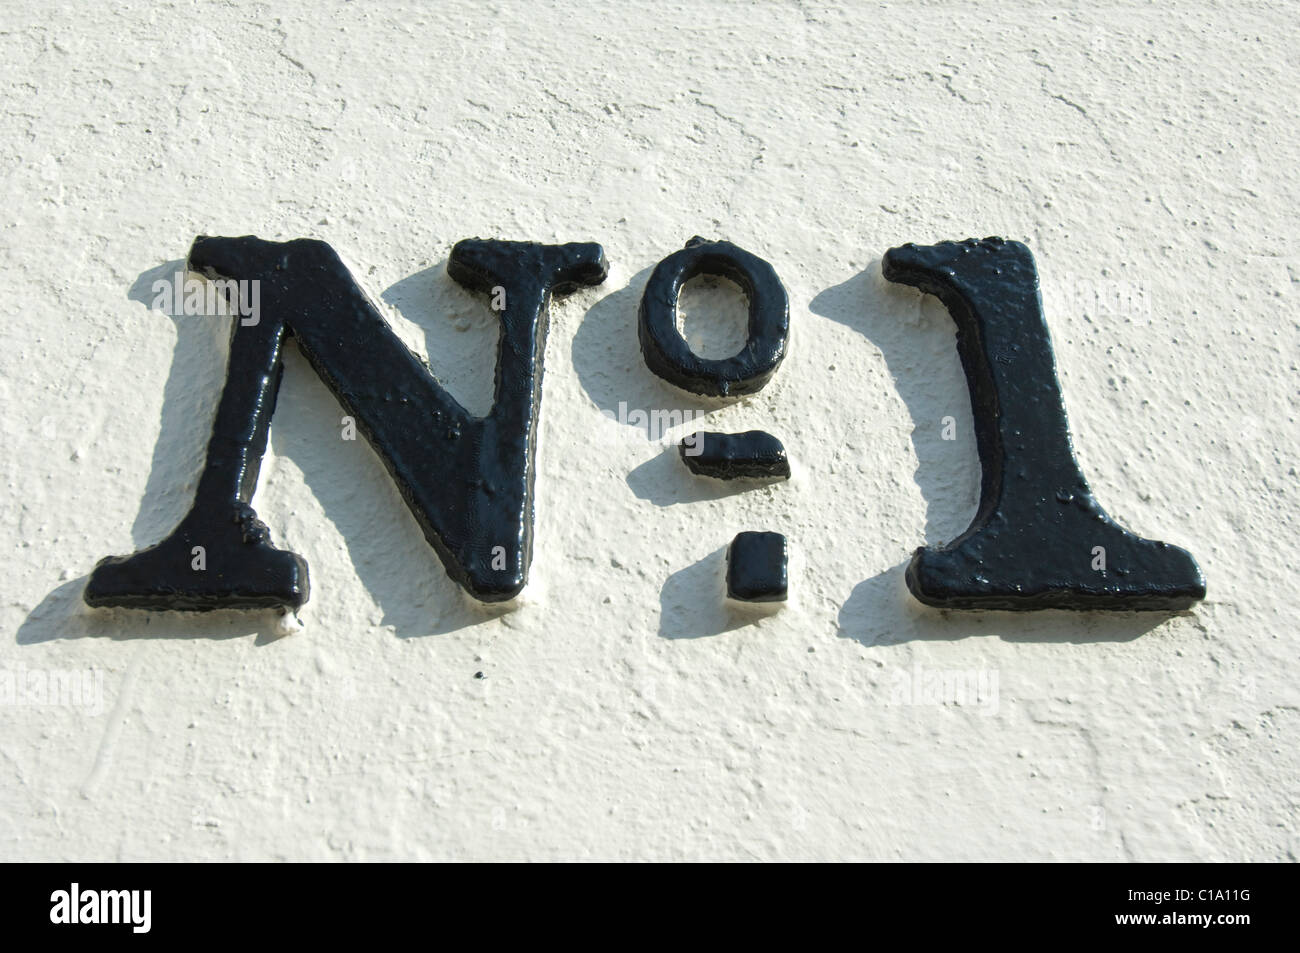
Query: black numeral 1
{"points": [[1039, 540]]}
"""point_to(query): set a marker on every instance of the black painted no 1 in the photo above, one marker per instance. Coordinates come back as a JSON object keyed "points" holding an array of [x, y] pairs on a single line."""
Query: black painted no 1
{"points": [[469, 480]]}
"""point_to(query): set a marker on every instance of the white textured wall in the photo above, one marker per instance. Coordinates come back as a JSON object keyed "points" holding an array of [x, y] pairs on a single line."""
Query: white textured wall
{"points": [[624, 714]]}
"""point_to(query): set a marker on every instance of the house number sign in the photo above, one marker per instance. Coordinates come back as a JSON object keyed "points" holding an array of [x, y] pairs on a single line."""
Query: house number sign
{"points": [[1039, 538]]}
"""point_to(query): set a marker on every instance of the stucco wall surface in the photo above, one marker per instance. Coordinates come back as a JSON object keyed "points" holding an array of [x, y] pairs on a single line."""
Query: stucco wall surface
{"points": [[1145, 152]]}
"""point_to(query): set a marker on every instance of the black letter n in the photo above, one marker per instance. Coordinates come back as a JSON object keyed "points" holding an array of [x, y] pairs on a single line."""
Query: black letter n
{"points": [[468, 480]]}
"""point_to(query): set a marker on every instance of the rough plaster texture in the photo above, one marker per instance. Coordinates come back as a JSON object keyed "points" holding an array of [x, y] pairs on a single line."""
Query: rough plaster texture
{"points": [[1146, 153]]}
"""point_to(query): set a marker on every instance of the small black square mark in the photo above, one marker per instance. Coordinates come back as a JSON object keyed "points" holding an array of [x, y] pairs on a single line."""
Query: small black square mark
{"points": [[756, 568]]}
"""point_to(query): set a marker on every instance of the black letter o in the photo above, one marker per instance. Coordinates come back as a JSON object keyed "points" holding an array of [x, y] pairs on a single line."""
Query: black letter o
{"points": [[669, 356]]}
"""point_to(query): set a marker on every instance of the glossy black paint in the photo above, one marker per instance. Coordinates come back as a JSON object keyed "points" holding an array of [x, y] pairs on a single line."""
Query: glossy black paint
{"points": [[468, 480], [667, 353], [1032, 544], [757, 568], [726, 456]]}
